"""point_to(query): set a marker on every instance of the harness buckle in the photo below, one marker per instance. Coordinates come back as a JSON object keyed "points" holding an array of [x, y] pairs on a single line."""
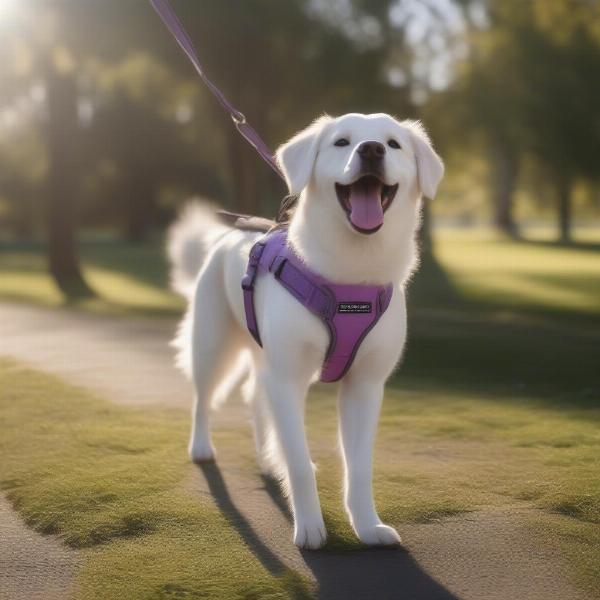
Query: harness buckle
{"points": [[252, 270]]}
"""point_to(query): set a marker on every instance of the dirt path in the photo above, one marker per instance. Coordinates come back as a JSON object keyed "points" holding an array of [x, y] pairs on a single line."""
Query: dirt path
{"points": [[32, 567], [488, 555]]}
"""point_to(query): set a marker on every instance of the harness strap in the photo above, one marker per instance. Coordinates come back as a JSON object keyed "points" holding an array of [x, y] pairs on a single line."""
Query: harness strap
{"points": [[348, 311], [306, 291], [315, 297], [248, 289]]}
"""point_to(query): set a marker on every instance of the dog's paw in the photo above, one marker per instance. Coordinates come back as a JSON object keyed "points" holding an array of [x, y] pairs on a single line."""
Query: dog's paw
{"points": [[379, 535], [310, 535], [201, 453]]}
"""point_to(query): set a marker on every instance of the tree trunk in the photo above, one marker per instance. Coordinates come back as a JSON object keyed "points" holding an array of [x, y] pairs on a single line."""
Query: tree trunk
{"points": [[61, 184], [506, 170], [564, 188]]}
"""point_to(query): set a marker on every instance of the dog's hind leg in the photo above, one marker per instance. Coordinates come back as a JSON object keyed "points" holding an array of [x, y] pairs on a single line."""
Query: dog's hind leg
{"points": [[255, 396], [267, 450], [216, 345]]}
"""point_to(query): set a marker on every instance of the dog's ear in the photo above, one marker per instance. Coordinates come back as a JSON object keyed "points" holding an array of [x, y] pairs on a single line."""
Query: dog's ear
{"points": [[296, 158], [430, 168]]}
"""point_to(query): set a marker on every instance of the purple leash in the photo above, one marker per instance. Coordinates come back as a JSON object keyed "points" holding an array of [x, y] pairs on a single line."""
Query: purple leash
{"points": [[171, 20]]}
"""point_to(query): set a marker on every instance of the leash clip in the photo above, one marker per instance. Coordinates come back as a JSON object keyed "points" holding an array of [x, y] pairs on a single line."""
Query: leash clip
{"points": [[239, 118]]}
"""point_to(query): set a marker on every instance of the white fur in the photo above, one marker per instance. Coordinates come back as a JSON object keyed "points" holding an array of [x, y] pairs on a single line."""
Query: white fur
{"points": [[216, 348], [186, 249]]}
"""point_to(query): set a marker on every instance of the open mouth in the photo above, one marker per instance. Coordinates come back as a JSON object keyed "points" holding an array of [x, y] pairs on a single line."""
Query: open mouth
{"points": [[365, 201]]}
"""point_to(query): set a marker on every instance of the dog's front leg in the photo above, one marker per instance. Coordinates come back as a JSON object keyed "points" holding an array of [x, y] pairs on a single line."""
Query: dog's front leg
{"points": [[286, 394], [359, 405]]}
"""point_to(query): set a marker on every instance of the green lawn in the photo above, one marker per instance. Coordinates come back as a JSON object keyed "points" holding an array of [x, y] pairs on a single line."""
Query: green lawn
{"points": [[473, 272], [126, 277], [497, 404], [112, 482], [531, 276]]}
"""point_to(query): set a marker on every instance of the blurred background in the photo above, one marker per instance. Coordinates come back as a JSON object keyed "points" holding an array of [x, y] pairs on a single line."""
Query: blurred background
{"points": [[105, 130]]}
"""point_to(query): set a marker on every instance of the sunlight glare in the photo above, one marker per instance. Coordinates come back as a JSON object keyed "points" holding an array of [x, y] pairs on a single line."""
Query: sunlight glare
{"points": [[6, 9]]}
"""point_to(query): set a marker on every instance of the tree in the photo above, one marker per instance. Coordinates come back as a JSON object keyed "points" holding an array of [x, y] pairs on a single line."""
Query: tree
{"points": [[525, 87], [560, 48], [61, 135], [147, 129], [53, 64]]}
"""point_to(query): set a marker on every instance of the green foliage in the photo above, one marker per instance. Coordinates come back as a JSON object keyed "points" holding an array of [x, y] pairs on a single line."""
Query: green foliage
{"points": [[525, 90], [150, 133]]}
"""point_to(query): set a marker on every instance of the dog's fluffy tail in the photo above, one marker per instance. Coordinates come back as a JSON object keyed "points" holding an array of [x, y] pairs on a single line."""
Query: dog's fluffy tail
{"points": [[189, 241]]}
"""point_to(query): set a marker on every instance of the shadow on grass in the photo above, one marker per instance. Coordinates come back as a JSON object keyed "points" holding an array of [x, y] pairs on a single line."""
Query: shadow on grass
{"points": [[431, 285], [573, 245], [139, 263], [272, 488], [457, 346], [220, 493], [385, 574], [503, 356], [142, 261], [382, 573]]}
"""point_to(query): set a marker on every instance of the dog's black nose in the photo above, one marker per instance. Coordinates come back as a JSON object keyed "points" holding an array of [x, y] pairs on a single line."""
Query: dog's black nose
{"points": [[372, 152]]}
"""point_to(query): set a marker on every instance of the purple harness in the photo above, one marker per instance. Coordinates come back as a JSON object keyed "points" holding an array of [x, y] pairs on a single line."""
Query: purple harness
{"points": [[348, 311]]}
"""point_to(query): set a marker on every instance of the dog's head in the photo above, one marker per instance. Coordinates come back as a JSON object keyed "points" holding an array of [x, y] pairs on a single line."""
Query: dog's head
{"points": [[363, 164]]}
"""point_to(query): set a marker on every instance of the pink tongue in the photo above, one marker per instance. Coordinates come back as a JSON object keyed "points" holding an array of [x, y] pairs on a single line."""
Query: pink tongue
{"points": [[365, 203]]}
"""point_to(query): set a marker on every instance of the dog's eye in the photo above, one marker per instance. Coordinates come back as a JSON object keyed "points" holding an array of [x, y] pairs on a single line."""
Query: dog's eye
{"points": [[394, 144], [341, 142]]}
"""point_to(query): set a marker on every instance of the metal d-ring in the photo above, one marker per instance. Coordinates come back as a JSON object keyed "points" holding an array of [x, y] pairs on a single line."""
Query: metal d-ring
{"points": [[239, 118]]}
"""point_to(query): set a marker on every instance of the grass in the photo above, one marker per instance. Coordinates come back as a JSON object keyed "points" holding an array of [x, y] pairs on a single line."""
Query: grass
{"points": [[526, 276], [127, 277], [111, 482], [497, 405], [472, 271], [442, 453]]}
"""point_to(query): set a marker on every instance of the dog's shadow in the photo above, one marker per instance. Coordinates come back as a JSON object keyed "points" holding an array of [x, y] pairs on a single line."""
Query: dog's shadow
{"points": [[378, 574], [220, 493]]}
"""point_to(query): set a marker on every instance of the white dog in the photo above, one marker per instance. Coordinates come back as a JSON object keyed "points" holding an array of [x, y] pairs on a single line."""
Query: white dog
{"points": [[348, 227]]}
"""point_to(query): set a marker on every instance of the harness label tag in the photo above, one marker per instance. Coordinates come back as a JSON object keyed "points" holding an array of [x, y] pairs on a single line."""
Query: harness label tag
{"points": [[354, 307]]}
